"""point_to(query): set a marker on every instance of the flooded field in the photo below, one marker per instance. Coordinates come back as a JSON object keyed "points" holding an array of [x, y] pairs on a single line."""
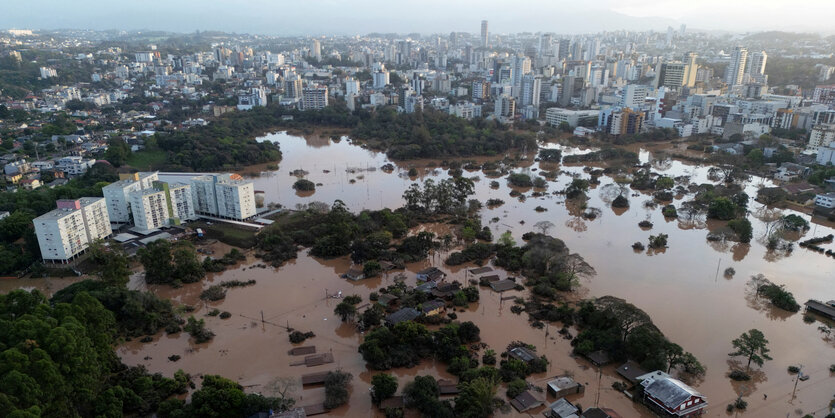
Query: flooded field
{"points": [[682, 288]]}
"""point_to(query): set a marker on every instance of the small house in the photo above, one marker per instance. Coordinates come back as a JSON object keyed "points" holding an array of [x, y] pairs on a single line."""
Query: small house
{"points": [[630, 371], [446, 290], [447, 387], [671, 397], [431, 274], [525, 401], [387, 299], [562, 409], [433, 307], [480, 271], [502, 285], [563, 386], [354, 274], [426, 287], [404, 314], [489, 278], [599, 358]]}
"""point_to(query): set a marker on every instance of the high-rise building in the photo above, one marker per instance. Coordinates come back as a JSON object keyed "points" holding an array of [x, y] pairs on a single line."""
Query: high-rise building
{"points": [[671, 74], [530, 89], [293, 86], [316, 49], [223, 196], [736, 68], [314, 98], [634, 96], [352, 86], [564, 51], [67, 231], [756, 64], [485, 36], [521, 66], [691, 69], [505, 106], [381, 79], [117, 194], [481, 90], [162, 205]]}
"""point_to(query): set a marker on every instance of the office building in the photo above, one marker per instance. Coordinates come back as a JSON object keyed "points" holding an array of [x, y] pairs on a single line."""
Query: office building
{"points": [[314, 98], [485, 36], [66, 232], [736, 68], [634, 96], [671, 74], [554, 116]]}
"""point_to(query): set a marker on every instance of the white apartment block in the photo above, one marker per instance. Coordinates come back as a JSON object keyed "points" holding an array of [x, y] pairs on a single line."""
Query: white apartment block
{"points": [[826, 200], [314, 98], [554, 116], [162, 205], [66, 232], [74, 165], [222, 196], [117, 194], [821, 136]]}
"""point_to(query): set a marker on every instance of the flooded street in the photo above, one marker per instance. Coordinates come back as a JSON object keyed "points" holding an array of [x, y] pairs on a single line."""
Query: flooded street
{"points": [[682, 288]]}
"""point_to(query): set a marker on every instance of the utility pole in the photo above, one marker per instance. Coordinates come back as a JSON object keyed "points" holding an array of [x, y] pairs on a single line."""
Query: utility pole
{"points": [[599, 379], [797, 379]]}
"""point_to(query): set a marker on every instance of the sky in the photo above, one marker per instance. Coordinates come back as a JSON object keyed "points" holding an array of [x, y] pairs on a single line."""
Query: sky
{"points": [[348, 17]]}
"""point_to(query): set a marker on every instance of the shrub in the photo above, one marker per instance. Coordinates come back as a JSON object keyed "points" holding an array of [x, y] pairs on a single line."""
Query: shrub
{"points": [[213, 293], [793, 369], [740, 403], [173, 357], [742, 228], [739, 376], [298, 336], [520, 180], [638, 246], [516, 387], [729, 272], [304, 185], [669, 211], [645, 224], [336, 389], [658, 241], [225, 315], [620, 202]]}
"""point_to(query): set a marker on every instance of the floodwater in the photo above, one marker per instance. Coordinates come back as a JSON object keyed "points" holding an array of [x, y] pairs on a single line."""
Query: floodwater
{"points": [[682, 288]]}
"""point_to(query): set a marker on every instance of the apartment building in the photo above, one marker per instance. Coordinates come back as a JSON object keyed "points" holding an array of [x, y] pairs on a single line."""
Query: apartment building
{"points": [[223, 196], [162, 205], [117, 194], [66, 232]]}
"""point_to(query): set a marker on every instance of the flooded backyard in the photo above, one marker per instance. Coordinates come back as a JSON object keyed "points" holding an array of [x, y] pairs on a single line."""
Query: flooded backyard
{"points": [[682, 288]]}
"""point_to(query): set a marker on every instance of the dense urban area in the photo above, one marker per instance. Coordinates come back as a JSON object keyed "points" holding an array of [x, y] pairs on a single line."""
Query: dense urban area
{"points": [[228, 225]]}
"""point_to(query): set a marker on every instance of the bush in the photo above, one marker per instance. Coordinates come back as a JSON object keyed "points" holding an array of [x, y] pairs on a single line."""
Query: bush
{"points": [[213, 293], [793, 369], [740, 403], [638, 246], [669, 211], [729, 272], [739, 376], [516, 387], [336, 389], [225, 315], [304, 185], [173, 357], [658, 241], [620, 202], [197, 329], [645, 224], [298, 336], [520, 180]]}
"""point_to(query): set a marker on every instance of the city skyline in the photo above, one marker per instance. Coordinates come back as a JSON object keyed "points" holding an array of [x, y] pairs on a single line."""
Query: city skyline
{"points": [[365, 16]]}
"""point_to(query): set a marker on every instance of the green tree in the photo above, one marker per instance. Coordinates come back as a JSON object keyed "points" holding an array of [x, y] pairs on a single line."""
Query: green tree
{"points": [[476, 398], [112, 264], [345, 311], [753, 346], [157, 260], [336, 389], [117, 152], [383, 386], [743, 229], [722, 208]]}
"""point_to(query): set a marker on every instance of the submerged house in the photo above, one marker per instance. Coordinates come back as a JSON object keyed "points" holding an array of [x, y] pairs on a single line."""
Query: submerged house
{"points": [[671, 397], [431, 274], [405, 314]]}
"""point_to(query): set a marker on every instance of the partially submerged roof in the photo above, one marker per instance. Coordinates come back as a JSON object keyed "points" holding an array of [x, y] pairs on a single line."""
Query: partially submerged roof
{"points": [[562, 383], [667, 390], [630, 371], [480, 270], [525, 401], [599, 358], [522, 353], [404, 314], [502, 285], [563, 409], [822, 308]]}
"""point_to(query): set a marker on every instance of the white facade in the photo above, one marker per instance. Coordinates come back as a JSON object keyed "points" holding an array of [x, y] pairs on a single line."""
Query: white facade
{"points": [[352, 87], [736, 68], [314, 98], [634, 96], [220, 195], [826, 155], [74, 165], [826, 200], [554, 116], [67, 231], [117, 195], [821, 136], [149, 209], [381, 79]]}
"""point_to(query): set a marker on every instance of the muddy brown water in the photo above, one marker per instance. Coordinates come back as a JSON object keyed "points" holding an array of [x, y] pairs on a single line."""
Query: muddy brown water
{"points": [[682, 288]]}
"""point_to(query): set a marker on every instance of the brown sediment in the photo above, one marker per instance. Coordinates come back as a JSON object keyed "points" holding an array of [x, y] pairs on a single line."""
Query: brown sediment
{"points": [[679, 288]]}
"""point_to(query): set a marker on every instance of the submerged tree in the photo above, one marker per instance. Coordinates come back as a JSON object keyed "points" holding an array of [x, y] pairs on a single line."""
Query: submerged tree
{"points": [[753, 346]]}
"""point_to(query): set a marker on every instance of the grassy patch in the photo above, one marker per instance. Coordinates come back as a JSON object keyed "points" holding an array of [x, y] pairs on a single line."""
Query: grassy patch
{"points": [[147, 160], [236, 235]]}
